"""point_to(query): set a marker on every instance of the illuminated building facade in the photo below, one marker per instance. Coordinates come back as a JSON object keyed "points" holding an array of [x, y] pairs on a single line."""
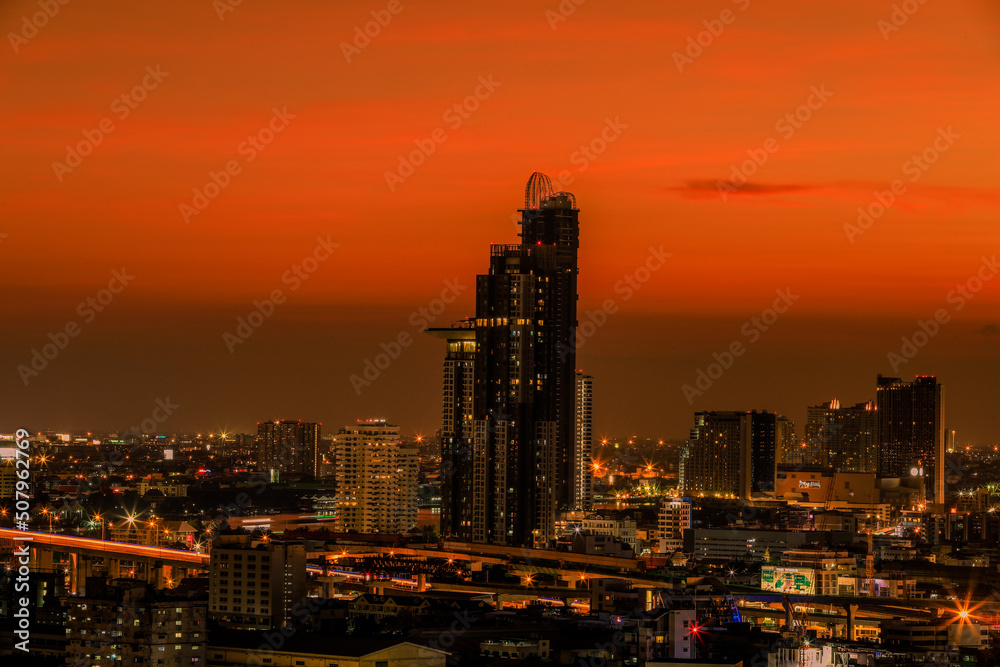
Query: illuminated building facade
{"points": [[583, 481], [377, 479], [521, 460]]}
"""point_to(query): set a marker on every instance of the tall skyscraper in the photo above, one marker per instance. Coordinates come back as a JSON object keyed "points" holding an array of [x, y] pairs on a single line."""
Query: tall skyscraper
{"points": [[459, 501], [910, 431], [520, 461], [842, 438], [583, 481], [377, 479], [730, 454], [291, 447]]}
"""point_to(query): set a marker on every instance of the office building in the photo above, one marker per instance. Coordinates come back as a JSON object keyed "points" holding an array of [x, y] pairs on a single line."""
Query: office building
{"points": [[289, 447], [377, 479], [910, 431], [730, 455], [583, 482], [747, 544], [522, 459], [842, 438], [255, 585]]}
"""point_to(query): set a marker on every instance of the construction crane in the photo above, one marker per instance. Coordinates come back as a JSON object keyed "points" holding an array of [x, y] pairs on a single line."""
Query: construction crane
{"points": [[795, 621], [799, 622]]}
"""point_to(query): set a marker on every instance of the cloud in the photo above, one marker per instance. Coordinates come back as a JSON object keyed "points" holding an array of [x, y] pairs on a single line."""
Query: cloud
{"points": [[700, 189]]}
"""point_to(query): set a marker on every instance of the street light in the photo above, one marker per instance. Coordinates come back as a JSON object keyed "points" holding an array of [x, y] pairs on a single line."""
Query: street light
{"points": [[100, 520]]}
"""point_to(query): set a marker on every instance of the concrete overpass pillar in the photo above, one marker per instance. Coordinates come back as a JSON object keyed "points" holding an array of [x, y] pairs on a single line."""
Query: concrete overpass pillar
{"points": [[421, 583], [84, 569], [852, 611], [41, 559], [112, 567], [74, 575]]}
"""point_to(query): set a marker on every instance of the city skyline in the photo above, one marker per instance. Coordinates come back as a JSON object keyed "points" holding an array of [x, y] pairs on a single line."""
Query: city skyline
{"points": [[648, 159], [562, 332]]}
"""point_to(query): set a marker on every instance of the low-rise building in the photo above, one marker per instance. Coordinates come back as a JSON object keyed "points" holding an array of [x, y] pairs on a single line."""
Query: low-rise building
{"points": [[318, 651], [621, 529], [674, 518]]}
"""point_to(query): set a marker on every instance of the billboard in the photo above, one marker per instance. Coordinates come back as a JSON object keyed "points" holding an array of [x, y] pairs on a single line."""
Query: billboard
{"points": [[791, 580]]}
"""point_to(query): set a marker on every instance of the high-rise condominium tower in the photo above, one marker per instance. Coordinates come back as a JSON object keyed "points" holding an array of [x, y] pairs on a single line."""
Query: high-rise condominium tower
{"points": [[731, 454], [512, 459], [583, 482], [289, 446], [377, 479], [910, 431], [842, 437]]}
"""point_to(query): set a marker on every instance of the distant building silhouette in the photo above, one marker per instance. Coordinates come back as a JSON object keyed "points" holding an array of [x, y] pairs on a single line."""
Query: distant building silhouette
{"points": [[910, 431], [730, 454], [291, 447], [842, 438]]}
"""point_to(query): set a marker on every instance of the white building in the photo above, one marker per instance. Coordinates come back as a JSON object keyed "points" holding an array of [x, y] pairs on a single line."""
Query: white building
{"points": [[377, 479], [622, 529], [674, 519]]}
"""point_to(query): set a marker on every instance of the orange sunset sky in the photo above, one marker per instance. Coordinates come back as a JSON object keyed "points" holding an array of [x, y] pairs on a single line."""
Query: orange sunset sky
{"points": [[893, 83]]}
